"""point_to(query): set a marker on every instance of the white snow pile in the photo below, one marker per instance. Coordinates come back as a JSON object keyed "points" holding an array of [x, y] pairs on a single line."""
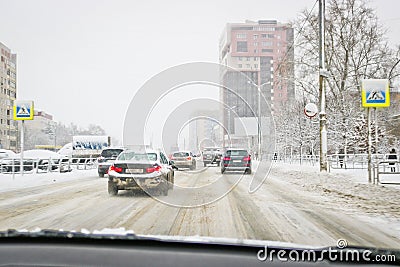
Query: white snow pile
{"points": [[346, 187], [40, 154], [9, 182]]}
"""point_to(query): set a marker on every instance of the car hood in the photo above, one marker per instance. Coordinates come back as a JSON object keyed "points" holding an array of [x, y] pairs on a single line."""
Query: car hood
{"points": [[122, 234]]}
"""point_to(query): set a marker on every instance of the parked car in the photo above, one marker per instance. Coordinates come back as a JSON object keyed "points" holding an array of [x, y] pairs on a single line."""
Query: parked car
{"points": [[212, 155], [5, 153], [236, 160], [106, 159], [137, 169], [183, 159]]}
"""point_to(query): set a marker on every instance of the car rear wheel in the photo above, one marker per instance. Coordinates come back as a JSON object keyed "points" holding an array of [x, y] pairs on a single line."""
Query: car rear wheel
{"points": [[248, 171], [101, 174], [205, 164], [112, 189], [222, 170]]}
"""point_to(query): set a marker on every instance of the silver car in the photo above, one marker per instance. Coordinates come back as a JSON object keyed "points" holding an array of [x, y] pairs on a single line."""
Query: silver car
{"points": [[184, 159], [137, 169]]}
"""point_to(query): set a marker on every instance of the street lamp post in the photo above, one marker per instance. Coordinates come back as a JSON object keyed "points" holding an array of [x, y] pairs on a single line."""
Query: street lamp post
{"points": [[229, 120], [259, 141]]}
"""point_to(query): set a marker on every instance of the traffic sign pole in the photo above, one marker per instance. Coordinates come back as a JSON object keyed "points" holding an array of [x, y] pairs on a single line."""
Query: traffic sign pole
{"points": [[21, 164], [23, 110], [374, 93], [369, 146]]}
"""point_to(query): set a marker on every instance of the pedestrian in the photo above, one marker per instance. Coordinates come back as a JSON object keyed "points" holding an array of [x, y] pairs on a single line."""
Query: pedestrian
{"points": [[392, 157], [341, 158]]}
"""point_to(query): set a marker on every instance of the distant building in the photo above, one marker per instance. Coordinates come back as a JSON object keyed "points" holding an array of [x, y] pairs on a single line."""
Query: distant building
{"points": [[8, 94], [41, 121], [40, 131], [203, 132], [263, 52]]}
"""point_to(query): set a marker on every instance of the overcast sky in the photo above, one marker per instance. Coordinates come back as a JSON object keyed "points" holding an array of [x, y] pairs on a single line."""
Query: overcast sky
{"points": [[82, 61]]}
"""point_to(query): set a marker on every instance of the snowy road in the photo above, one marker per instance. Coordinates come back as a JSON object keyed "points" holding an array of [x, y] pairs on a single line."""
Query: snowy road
{"points": [[282, 210]]}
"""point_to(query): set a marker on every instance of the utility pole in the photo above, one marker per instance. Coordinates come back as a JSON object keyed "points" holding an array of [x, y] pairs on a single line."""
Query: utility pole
{"points": [[322, 73]]}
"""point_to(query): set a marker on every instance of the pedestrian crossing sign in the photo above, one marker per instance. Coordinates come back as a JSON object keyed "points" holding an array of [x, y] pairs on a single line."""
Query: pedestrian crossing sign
{"points": [[375, 93], [23, 110]]}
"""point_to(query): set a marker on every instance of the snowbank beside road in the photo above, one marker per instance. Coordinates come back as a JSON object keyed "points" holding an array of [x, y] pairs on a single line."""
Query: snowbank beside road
{"points": [[8, 182], [346, 187]]}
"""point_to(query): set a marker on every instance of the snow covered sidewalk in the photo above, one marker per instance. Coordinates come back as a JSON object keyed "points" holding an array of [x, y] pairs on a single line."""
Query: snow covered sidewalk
{"points": [[346, 187], [8, 182]]}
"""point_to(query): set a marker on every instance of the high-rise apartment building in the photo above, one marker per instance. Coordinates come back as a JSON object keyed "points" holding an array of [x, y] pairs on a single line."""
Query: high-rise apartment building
{"points": [[8, 94], [262, 52]]}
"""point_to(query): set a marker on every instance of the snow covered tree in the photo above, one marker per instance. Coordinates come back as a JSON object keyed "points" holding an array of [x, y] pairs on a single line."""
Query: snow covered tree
{"points": [[356, 49]]}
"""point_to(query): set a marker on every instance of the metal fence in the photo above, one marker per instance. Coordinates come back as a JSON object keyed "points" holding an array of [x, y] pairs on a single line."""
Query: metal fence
{"points": [[353, 161], [13, 165], [335, 161], [294, 159], [386, 167]]}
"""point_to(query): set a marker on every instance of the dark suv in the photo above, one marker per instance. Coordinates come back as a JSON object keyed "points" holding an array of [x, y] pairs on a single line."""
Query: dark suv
{"points": [[236, 160], [106, 159]]}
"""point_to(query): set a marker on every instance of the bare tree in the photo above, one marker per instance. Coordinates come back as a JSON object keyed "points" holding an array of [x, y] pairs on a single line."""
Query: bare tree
{"points": [[357, 49]]}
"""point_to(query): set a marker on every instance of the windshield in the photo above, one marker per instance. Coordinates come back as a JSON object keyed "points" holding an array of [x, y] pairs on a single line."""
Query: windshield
{"points": [[237, 153], [135, 156], [244, 120], [211, 150], [111, 153], [181, 154]]}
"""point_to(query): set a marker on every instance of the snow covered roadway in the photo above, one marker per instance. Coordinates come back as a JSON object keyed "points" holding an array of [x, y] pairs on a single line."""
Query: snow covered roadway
{"points": [[294, 205]]}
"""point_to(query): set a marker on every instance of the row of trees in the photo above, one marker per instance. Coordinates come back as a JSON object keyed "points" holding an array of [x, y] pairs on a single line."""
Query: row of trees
{"points": [[356, 49]]}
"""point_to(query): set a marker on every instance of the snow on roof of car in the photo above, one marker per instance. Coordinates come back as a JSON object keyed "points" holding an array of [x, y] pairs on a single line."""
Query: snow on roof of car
{"points": [[7, 151]]}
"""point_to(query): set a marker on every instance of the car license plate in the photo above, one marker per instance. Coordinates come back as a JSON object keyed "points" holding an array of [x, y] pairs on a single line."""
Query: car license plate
{"points": [[134, 170], [237, 161]]}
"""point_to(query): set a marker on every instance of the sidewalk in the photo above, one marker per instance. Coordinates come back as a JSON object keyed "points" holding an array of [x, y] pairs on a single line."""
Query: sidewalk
{"points": [[346, 187]]}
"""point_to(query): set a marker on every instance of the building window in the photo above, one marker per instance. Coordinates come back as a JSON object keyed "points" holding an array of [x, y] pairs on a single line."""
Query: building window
{"points": [[267, 50], [256, 66], [255, 44], [241, 36], [8, 122], [255, 36], [240, 65], [267, 29], [248, 66], [241, 46], [240, 58], [255, 58], [255, 51], [266, 43], [248, 58]]}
